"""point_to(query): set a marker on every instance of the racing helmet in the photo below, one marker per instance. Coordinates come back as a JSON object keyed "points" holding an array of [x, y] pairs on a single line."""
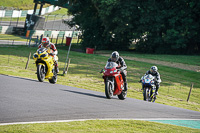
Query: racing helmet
{"points": [[153, 69], [45, 42], [114, 56]]}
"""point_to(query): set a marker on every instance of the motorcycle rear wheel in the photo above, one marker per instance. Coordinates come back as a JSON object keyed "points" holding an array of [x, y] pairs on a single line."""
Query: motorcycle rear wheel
{"points": [[40, 73], [108, 90]]}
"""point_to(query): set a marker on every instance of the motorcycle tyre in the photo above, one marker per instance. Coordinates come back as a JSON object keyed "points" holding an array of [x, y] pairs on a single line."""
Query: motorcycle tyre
{"points": [[108, 89], [146, 95], [153, 100], [54, 78], [123, 95], [40, 73]]}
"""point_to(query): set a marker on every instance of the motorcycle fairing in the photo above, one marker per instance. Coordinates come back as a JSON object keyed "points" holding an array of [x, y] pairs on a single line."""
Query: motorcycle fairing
{"points": [[111, 71], [119, 84]]}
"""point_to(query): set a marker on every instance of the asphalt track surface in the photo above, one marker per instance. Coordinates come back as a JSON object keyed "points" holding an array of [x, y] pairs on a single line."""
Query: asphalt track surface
{"points": [[27, 100], [48, 25]]}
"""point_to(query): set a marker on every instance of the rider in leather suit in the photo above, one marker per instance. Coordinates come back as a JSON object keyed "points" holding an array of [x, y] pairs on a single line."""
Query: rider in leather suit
{"points": [[120, 61], [154, 72], [47, 44]]}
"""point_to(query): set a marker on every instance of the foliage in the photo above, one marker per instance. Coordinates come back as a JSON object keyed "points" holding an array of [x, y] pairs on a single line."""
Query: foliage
{"points": [[87, 18], [155, 26], [172, 27]]}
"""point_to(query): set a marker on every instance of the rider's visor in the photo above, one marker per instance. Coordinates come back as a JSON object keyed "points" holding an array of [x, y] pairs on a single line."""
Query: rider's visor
{"points": [[113, 59], [45, 44], [152, 71]]}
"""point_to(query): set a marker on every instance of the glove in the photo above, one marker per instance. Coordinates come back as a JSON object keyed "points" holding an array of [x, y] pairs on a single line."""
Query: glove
{"points": [[51, 54], [101, 71]]}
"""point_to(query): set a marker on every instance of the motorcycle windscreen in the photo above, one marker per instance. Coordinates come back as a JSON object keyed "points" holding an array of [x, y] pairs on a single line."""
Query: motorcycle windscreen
{"points": [[148, 78], [41, 50], [110, 65]]}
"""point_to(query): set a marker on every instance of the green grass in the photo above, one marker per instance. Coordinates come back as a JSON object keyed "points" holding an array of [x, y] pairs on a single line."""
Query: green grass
{"points": [[20, 4], [57, 15], [13, 19], [108, 126], [12, 37], [84, 68], [185, 59], [62, 11]]}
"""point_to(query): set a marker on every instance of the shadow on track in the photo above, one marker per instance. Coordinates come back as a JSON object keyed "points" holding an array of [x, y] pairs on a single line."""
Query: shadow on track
{"points": [[23, 78], [87, 94]]}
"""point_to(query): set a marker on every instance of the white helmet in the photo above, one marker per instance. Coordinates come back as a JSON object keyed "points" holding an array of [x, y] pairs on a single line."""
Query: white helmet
{"points": [[153, 69]]}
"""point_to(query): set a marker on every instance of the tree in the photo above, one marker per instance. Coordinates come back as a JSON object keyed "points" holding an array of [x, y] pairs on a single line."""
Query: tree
{"points": [[170, 27], [86, 16]]}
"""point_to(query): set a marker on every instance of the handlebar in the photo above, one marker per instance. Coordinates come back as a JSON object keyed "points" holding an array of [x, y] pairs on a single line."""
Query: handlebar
{"points": [[51, 54]]}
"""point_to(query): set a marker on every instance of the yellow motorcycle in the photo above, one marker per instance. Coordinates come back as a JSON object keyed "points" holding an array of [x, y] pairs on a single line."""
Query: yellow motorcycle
{"points": [[45, 65]]}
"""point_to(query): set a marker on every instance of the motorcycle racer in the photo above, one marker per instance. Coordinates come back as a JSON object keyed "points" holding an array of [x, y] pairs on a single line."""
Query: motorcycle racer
{"points": [[120, 61], [53, 52], [154, 72]]}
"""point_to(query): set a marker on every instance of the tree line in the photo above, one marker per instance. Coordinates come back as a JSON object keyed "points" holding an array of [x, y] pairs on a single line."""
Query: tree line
{"points": [[154, 26]]}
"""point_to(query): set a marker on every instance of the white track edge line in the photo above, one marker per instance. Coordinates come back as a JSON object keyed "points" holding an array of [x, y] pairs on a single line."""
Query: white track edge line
{"points": [[57, 121]]}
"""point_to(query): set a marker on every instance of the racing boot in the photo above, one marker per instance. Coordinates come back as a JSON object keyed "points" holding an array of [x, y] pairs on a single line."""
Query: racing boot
{"points": [[56, 68], [156, 91]]}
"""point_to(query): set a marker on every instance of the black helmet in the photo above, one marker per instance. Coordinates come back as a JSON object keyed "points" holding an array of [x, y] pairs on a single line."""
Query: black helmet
{"points": [[114, 56]]}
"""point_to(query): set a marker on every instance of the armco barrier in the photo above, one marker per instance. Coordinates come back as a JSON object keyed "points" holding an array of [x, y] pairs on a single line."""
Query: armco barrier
{"points": [[35, 33]]}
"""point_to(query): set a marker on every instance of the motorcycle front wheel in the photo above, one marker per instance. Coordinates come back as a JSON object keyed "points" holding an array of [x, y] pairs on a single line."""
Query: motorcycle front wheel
{"points": [[108, 90], [146, 94], [54, 78], [123, 95], [40, 73]]}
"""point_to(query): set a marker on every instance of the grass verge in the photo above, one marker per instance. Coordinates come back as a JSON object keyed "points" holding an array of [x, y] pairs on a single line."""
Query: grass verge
{"points": [[19, 4], [108, 126], [185, 59], [12, 37]]}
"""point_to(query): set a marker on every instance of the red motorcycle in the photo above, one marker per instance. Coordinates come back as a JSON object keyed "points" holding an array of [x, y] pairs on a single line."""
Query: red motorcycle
{"points": [[114, 84]]}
